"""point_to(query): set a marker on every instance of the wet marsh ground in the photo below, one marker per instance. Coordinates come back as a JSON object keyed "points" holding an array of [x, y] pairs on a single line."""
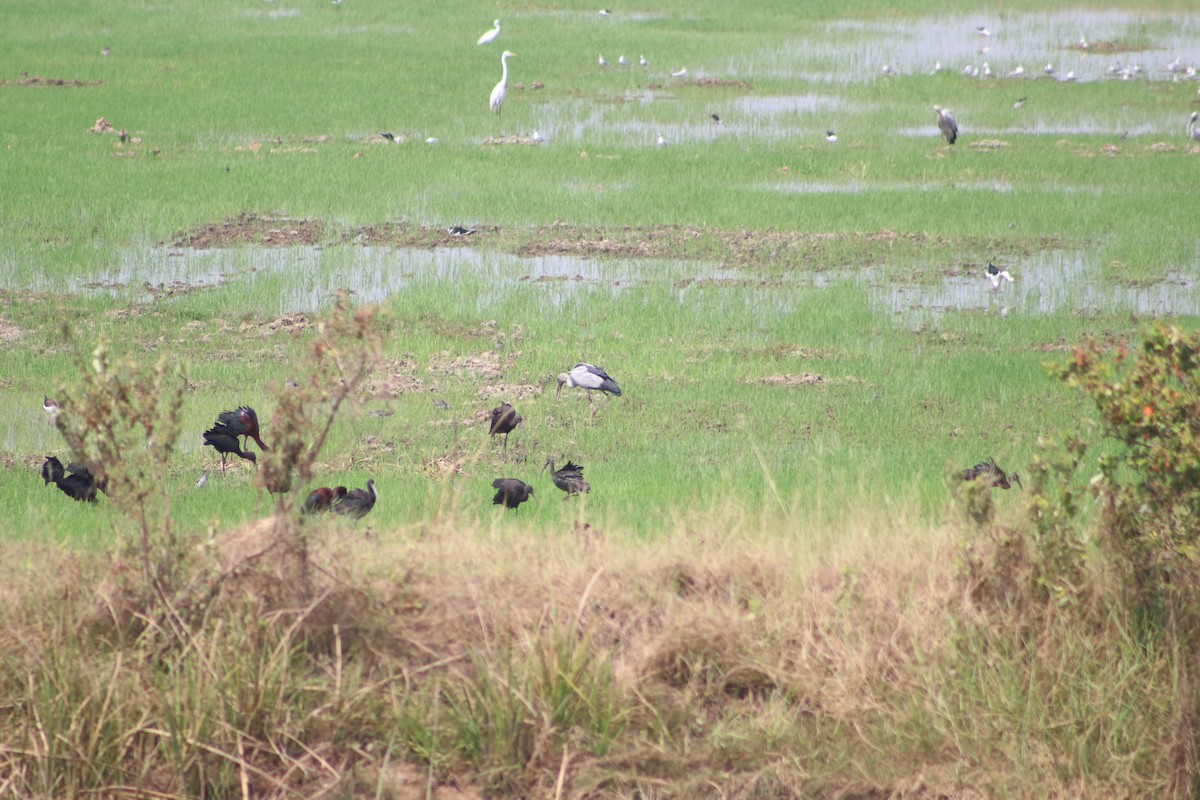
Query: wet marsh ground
{"points": [[804, 333]]}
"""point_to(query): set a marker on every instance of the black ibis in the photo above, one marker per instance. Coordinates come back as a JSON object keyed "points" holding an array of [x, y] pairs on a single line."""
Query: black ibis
{"points": [[511, 492], [224, 440], [505, 419], [991, 475], [589, 377], [244, 423], [569, 478], [356, 503], [995, 274], [947, 124], [322, 499], [80, 484]]}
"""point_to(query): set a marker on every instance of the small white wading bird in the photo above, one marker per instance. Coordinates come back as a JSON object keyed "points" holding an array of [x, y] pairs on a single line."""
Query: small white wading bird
{"points": [[995, 274], [496, 102], [603, 62], [491, 35], [662, 140], [830, 137], [1193, 131], [592, 378]]}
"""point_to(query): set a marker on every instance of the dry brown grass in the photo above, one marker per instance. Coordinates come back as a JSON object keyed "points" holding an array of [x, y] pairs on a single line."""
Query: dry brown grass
{"points": [[456, 663]]}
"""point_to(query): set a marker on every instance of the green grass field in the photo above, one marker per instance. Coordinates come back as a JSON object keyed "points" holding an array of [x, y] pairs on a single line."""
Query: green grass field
{"points": [[803, 332]]}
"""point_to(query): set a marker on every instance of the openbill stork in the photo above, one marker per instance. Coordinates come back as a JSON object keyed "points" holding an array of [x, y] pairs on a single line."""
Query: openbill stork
{"points": [[505, 419], [356, 503], [991, 475], [80, 484], [947, 124], [569, 478], [592, 378], [224, 440], [511, 492]]}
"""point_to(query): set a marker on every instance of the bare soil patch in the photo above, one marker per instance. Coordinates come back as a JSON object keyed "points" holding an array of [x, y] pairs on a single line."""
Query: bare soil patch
{"points": [[9, 332], [37, 80], [264, 231]]}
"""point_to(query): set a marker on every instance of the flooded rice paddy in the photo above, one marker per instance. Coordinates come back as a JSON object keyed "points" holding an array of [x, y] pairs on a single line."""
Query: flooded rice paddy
{"points": [[304, 278]]}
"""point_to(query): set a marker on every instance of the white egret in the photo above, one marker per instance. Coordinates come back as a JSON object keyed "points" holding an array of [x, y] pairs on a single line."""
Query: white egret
{"points": [[537, 138], [1048, 69], [937, 67], [621, 61], [642, 60], [987, 71], [947, 124], [1070, 76], [603, 63], [1018, 72], [679, 73], [491, 35], [887, 70], [432, 140], [662, 140], [497, 98]]}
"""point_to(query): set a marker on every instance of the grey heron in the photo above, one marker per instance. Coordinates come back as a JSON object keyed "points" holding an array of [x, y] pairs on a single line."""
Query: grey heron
{"points": [[511, 492], [569, 478], [357, 503], [505, 420], [591, 378], [995, 275], [491, 35], [947, 124], [496, 102], [991, 475]]}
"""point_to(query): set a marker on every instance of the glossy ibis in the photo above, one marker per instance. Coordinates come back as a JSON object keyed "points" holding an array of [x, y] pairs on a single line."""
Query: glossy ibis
{"points": [[947, 124], [80, 484], [569, 478], [224, 440], [991, 475], [589, 377], [322, 499], [511, 492], [356, 503], [243, 423], [505, 419]]}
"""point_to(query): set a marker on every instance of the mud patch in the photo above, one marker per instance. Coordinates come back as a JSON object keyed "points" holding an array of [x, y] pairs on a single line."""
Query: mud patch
{"points": [[522, 140], [1107, 48], [36, 80], [9, 332], [401, 378], [482, 366], [789, 380], [163, 291], [719, 83], [252, 229], [509, 391]]}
